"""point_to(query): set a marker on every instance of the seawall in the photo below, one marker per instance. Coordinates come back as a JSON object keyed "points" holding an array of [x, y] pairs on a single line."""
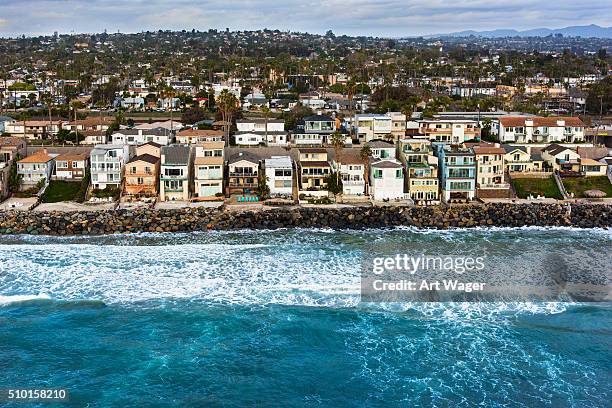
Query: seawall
{"points": [[202, 219]]}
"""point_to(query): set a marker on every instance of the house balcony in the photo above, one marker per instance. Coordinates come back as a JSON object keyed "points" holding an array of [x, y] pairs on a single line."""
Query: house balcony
{"points": [[499, 186], [353, 182], [239, 174]]}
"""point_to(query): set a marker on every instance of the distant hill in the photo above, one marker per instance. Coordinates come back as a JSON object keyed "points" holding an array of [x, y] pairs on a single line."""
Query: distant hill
{"points": [[587, 31]]}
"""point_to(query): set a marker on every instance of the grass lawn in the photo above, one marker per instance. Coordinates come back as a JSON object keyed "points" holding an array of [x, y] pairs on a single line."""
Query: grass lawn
{"points": [[578, 185], [536, 186], [61, 191]]}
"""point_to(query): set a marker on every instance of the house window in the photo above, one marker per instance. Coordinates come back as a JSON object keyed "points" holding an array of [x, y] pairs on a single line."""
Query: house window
{"points": [[378, 173], [398, 173]]}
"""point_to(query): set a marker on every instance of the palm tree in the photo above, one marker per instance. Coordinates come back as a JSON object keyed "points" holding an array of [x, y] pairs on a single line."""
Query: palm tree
{"points": [[48, 100], [350, 92], [266, 112], [365, 153], [337, 141], [227, 104]]}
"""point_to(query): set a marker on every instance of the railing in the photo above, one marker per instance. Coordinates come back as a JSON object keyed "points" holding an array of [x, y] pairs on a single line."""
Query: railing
{"points": [[236, 174], [502, 186]]}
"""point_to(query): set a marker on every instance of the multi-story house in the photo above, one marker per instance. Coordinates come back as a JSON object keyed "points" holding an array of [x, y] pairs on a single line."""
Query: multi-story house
{"points": [[107, 163], [279, 175], [243, 173], [421, 170], [457, 171], [561, 158], [208, 173], [90, 123], [34, 129], [255, 131], [36, 167], [454, 131], [520, 159], [386, 179], [351, 168], [71, 166], [314, 168], [11, 148], [92, 137], [373, 126], [141, 176], [133, 137], [316, 130], [175, 174], [195, 136], [382, 150], [490, 171], [535, 129]]}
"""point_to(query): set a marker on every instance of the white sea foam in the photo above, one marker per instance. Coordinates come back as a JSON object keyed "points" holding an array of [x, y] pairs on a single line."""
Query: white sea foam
{"points": [[288, 268], [7, 300]]}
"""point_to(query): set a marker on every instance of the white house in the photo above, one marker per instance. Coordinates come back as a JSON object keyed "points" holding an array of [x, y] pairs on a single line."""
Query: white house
{"points": [[107, 163], [160, 136], [535, 129], [382, 150], [279, 175], [351, 169], [259, 130], [36, 167], [372, 126], [386, 179]]}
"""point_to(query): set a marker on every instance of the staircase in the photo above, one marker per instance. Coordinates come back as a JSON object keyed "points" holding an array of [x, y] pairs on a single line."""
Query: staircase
{"points": [[560, 185]]}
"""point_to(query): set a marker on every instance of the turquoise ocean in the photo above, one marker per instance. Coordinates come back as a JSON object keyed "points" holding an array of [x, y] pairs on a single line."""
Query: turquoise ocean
{"points": [[274, 319]]}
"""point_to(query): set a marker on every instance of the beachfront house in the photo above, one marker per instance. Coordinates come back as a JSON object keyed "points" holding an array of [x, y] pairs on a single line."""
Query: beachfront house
{"points": [[351, 168], [421, 167], [490, 171], [208, 169], [457, 171], [279, 176], [107, 162], [386, 179], [141, 176], [243, 173], [561, 158], [71, 166], [36, 167], [174, 179], [314, 168]]}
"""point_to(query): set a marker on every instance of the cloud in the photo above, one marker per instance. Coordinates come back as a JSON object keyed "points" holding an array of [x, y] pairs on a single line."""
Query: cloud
{"points": [[354, 17]]}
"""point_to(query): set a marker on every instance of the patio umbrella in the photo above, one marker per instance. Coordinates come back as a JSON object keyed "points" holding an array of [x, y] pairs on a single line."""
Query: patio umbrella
{"points": [[594, 193]]}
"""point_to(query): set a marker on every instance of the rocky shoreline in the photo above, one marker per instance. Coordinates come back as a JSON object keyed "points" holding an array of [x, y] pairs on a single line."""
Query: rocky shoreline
{"points": [[203, 219]]}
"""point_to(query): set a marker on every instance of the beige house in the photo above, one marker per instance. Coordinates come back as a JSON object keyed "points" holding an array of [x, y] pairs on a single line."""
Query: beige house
{"points": [[208, 169], [195, 136], [590, 167], [490, 171], [561, 158], [518, 159], [141, 176], [152, 148], [243, 171], [34, 129], [421, 180], [314, 168]]}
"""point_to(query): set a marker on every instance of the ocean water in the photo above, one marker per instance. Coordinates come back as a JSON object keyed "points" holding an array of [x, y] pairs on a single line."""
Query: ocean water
{"points": [[274, 318]]}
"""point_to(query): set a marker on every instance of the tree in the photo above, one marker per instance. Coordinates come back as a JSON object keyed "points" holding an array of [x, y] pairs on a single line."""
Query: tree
{"points": [[48, 100], [334, 183], [365, 153], [14, 178], [228, 105], [599, 98], [266, 112], [263, 190], [337, 141]]}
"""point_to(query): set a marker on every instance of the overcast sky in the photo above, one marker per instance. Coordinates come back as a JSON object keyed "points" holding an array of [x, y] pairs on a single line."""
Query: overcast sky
{"points": [[354, 17]]}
